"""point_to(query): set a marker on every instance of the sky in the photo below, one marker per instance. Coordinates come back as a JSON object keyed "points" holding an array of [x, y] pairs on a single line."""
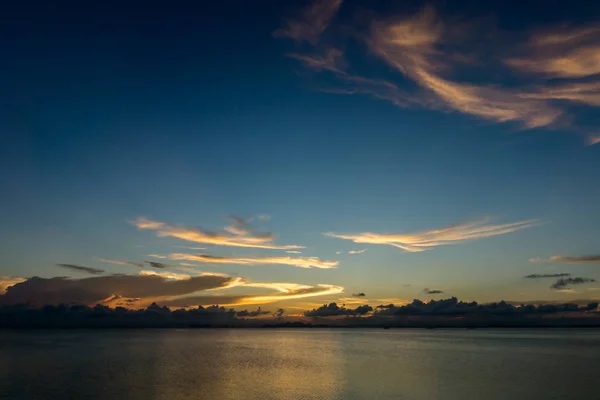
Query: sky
{"points": [[291, 154]]}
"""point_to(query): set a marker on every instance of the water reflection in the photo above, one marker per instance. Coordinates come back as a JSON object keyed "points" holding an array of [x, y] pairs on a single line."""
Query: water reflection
{"points": [[298, 364]]}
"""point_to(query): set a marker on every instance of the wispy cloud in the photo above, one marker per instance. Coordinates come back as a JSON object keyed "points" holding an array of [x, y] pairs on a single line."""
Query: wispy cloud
{"points": [[332, 60], [189, 247], [426, 240], [159, 256], [569, 260], [80, 268], [428, 51], [117, 262], [311, 23], [293, 252], [361, 294], [357, 251], [166, 274], [301, 262], [414, 47], [432, 291], [284, 291], [541, 276], [592, 140], [237, 235], [567, 53]]}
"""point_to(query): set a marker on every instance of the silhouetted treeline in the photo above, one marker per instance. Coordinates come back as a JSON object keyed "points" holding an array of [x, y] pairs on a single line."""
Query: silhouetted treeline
{"points": [[441, 313], [450, 307], [100, 316]]}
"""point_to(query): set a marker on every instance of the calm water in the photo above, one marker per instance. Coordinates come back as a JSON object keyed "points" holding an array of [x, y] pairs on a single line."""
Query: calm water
{"points": [[300, 364]]}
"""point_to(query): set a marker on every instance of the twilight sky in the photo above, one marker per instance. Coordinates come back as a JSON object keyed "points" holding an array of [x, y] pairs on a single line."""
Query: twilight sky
{"points": [[297, 153]]}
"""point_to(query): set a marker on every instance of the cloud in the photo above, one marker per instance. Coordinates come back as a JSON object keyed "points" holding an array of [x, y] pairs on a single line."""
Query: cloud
{"points": [[592, 140], [357, 251], [158, 256], [428, 51], [79, 268], [361, 294], [562, 283], [263, 217], [540, 276], [421, 241], [333, 310], [572, 53], [159, 265], [190, 247], [117, 262], [293, 252], [312, 22], [8, 281], [575, 260], [189, 265], [432, 291], [568, 260], [414, 47], [285, 291], [95, 290], [166, 274], [332, 60], [237, 235], [300, 262]]}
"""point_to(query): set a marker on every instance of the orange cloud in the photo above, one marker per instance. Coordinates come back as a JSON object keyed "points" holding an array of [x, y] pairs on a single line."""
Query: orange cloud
{"points": [[562, 54], [8, 281], [285, 291], [426, 51], [300, 262], [595, 259], [237, 235], [426, 240], [411, 46]]}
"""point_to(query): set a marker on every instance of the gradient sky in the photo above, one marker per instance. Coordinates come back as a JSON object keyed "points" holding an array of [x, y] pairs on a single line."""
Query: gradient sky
{"points": [[126, 127]]}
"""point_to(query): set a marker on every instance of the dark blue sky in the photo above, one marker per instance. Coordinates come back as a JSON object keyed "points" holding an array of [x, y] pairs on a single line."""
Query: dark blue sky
{"points": [[394, 118]]}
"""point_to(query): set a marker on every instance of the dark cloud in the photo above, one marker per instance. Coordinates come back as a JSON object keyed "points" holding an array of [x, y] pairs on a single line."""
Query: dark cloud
{"points": [[80, 268], [564, 282], [332, 309], [43, 291], [361, 294], [159, 265], [432, 291], [540, 276]]}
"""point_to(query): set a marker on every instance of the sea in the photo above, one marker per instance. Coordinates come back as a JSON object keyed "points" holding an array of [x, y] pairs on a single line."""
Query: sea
{"points": [[301, 364]]}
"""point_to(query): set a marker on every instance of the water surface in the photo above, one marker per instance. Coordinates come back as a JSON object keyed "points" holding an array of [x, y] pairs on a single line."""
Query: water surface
{"points": [[319, 364]]}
